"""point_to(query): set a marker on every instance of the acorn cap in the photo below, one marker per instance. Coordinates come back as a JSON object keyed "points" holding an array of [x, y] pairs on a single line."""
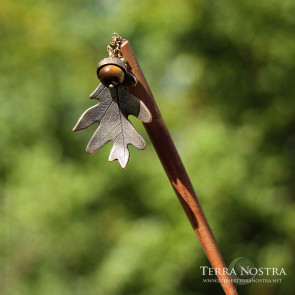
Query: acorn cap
{"points": [[112, 61]]}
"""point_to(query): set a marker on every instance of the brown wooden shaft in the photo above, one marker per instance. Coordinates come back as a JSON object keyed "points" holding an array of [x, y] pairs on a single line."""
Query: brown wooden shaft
{"points": [[171, 161]]}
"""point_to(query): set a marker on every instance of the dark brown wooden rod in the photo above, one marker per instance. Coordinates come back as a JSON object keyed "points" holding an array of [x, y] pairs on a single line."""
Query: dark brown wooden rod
{"points": [[171, 161]]}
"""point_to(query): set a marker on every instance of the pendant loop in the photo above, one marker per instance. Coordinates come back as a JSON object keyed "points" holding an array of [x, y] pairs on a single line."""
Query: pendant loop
{"points": [[114, 47]]}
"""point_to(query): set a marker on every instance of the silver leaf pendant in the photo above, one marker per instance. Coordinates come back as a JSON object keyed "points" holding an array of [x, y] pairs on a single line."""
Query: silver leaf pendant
{"points": [[112, 111]]}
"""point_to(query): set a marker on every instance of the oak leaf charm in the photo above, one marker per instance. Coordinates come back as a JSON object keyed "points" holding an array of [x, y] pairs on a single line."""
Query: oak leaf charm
{"points": [[112, 111]]}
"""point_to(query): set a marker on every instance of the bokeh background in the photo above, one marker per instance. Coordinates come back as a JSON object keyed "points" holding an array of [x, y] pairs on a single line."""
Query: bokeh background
{"points": [[223, 75]]}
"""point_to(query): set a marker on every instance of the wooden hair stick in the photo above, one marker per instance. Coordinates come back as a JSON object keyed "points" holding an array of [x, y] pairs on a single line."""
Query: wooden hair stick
{"points": [[171, 161]]}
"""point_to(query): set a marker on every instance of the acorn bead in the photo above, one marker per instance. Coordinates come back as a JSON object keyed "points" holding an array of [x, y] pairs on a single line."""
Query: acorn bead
{"points": [[111, 71], [111, 76]]}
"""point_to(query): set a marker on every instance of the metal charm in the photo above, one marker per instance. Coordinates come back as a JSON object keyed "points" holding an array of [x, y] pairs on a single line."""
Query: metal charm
{"points": [[112, 111]]}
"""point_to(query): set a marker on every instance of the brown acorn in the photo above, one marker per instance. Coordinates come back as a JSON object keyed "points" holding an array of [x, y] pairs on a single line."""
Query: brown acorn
{"points": [[111, 76], [111, 72]]}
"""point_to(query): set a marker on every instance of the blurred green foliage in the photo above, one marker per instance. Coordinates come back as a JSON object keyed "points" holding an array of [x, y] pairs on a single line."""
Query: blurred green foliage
{"points": [[223, 75]]}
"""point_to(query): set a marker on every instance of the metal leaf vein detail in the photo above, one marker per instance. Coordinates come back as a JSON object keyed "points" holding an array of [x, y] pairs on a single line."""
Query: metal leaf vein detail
{"points": [[112, 111]]}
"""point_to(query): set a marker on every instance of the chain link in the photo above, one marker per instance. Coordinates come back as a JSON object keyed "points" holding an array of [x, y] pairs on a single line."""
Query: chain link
{"points": [[114, 47]]}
